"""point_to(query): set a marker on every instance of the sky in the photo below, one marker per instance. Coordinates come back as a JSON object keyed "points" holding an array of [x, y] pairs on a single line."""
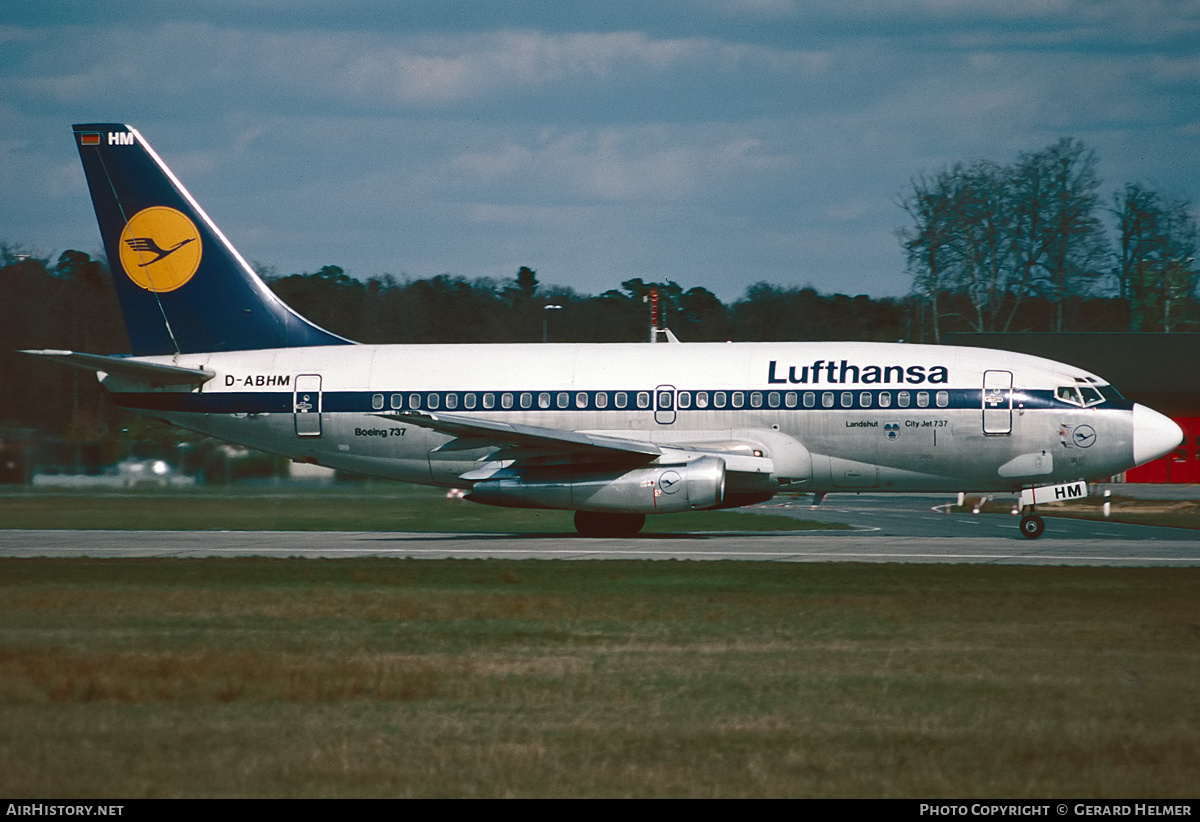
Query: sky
{"points": [[716, 143]]}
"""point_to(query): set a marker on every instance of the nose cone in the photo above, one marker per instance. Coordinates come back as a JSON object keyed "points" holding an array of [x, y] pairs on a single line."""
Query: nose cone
{"points": [[1153, 434]]}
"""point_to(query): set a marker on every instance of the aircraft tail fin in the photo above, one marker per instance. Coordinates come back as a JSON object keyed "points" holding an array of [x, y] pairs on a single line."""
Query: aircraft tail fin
{"points": [[182, 286]]}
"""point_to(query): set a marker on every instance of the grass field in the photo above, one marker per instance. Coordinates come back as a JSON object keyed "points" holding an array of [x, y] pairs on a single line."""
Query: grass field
{"points": [[365, 677], [354, 507]]}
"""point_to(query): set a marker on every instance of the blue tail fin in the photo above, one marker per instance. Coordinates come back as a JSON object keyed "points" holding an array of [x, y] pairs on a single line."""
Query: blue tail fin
{"points": [[183, 288]]}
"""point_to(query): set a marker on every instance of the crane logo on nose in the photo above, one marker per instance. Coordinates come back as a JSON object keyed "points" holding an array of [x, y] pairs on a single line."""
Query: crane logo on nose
{"points": [[1084, 436]]}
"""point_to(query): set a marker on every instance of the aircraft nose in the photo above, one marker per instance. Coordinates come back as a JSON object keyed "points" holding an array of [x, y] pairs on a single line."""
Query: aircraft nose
{"points": [[1153, 434]]}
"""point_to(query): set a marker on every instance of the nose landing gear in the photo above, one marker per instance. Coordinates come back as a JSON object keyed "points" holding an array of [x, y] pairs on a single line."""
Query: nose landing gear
{"points": [[1032, 525]]}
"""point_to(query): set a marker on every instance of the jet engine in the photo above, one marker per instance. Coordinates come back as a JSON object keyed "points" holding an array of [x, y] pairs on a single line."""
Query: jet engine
{"points": [[655, 489]]}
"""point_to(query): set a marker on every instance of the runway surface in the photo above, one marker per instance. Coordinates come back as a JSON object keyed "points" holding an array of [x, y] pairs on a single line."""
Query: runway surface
{"points": [[887, 529]]}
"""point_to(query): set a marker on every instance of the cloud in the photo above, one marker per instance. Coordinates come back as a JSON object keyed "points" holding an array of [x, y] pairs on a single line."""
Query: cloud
{"points": [[16, 34], [1177, 69], [365, 69], [659, 163], [715, 142], [848, 210], [758, 8]]}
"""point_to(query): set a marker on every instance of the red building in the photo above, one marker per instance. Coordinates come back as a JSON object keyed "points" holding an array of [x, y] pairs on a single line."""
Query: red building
{"points": [[1158, 370]]}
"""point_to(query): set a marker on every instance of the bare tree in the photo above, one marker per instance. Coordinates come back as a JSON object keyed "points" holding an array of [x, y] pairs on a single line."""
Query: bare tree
{"points": [[983, 242], [1155, 265], [1060, 236], [999, 234], [927, 243], [1179, 272], [961, 240]]}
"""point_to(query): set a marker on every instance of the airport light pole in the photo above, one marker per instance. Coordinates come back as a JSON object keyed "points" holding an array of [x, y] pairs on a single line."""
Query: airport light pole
{"points": [[546, 320]]}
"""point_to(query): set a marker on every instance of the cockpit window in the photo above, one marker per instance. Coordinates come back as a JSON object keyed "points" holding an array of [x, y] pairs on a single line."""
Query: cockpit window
{"points": [[1084, 395]]}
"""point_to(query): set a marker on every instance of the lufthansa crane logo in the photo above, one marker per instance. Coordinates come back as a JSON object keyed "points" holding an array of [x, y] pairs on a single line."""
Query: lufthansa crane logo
{"points": [[669, 481], [160, 249]]}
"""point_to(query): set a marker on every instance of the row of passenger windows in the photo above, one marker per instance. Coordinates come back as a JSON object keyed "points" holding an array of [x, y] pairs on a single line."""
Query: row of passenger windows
{"points": [[470, 401], [666, 400]]}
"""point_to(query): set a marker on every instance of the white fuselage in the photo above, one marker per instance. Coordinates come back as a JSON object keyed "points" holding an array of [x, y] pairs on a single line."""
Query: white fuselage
{"points": [[829, 416]]}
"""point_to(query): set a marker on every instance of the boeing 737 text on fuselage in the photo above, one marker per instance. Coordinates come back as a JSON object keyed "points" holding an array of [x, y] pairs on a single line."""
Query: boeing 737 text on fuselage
{"points": [[611, 431]]}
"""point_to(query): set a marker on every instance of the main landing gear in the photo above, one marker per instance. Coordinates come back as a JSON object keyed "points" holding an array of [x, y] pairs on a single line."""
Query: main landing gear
{"points": [[598, 524], [1032, 525]]}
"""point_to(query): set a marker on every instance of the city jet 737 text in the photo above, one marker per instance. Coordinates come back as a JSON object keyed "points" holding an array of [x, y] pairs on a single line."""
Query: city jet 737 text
{"points": [[612, 432]]}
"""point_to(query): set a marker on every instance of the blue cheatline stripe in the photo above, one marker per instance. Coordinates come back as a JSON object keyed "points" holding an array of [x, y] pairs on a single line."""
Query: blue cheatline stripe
{"points": [[685, 402], [248, 402]]}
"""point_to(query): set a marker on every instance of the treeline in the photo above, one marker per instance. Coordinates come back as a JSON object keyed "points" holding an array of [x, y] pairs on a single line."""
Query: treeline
{"points": [[448, 309], [987, 239], [69, 304]]}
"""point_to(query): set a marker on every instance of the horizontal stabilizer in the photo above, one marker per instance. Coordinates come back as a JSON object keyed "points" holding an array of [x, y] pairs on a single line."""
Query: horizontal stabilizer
{"points": [[150, 373]]}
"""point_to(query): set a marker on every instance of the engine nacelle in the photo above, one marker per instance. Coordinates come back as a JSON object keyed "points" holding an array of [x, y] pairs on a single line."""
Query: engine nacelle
{"points": [[657, 489]]}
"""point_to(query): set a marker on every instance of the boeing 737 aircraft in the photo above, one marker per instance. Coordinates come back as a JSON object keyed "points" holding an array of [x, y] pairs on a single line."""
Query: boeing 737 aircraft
{"points": [[611, 431]]}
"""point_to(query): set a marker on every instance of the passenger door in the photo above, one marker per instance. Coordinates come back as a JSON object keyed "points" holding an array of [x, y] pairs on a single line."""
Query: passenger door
{"points": [[997, 402], [306, 405]]}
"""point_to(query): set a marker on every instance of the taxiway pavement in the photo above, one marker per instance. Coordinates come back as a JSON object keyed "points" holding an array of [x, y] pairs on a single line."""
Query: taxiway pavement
{"points": [[886, 529]]}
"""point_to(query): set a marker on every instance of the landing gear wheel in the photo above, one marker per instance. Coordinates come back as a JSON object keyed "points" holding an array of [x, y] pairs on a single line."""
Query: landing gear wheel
{"points": [[1032, 526], [596, 524]]}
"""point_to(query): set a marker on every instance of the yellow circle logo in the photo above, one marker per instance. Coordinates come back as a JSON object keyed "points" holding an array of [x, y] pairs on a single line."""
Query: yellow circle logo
{"points": [[160, 249]]}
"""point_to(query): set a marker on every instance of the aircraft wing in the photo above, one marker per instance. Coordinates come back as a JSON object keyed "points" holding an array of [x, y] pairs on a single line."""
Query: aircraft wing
{"points": [[524, 441], [477, 432], [149, 373]]}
